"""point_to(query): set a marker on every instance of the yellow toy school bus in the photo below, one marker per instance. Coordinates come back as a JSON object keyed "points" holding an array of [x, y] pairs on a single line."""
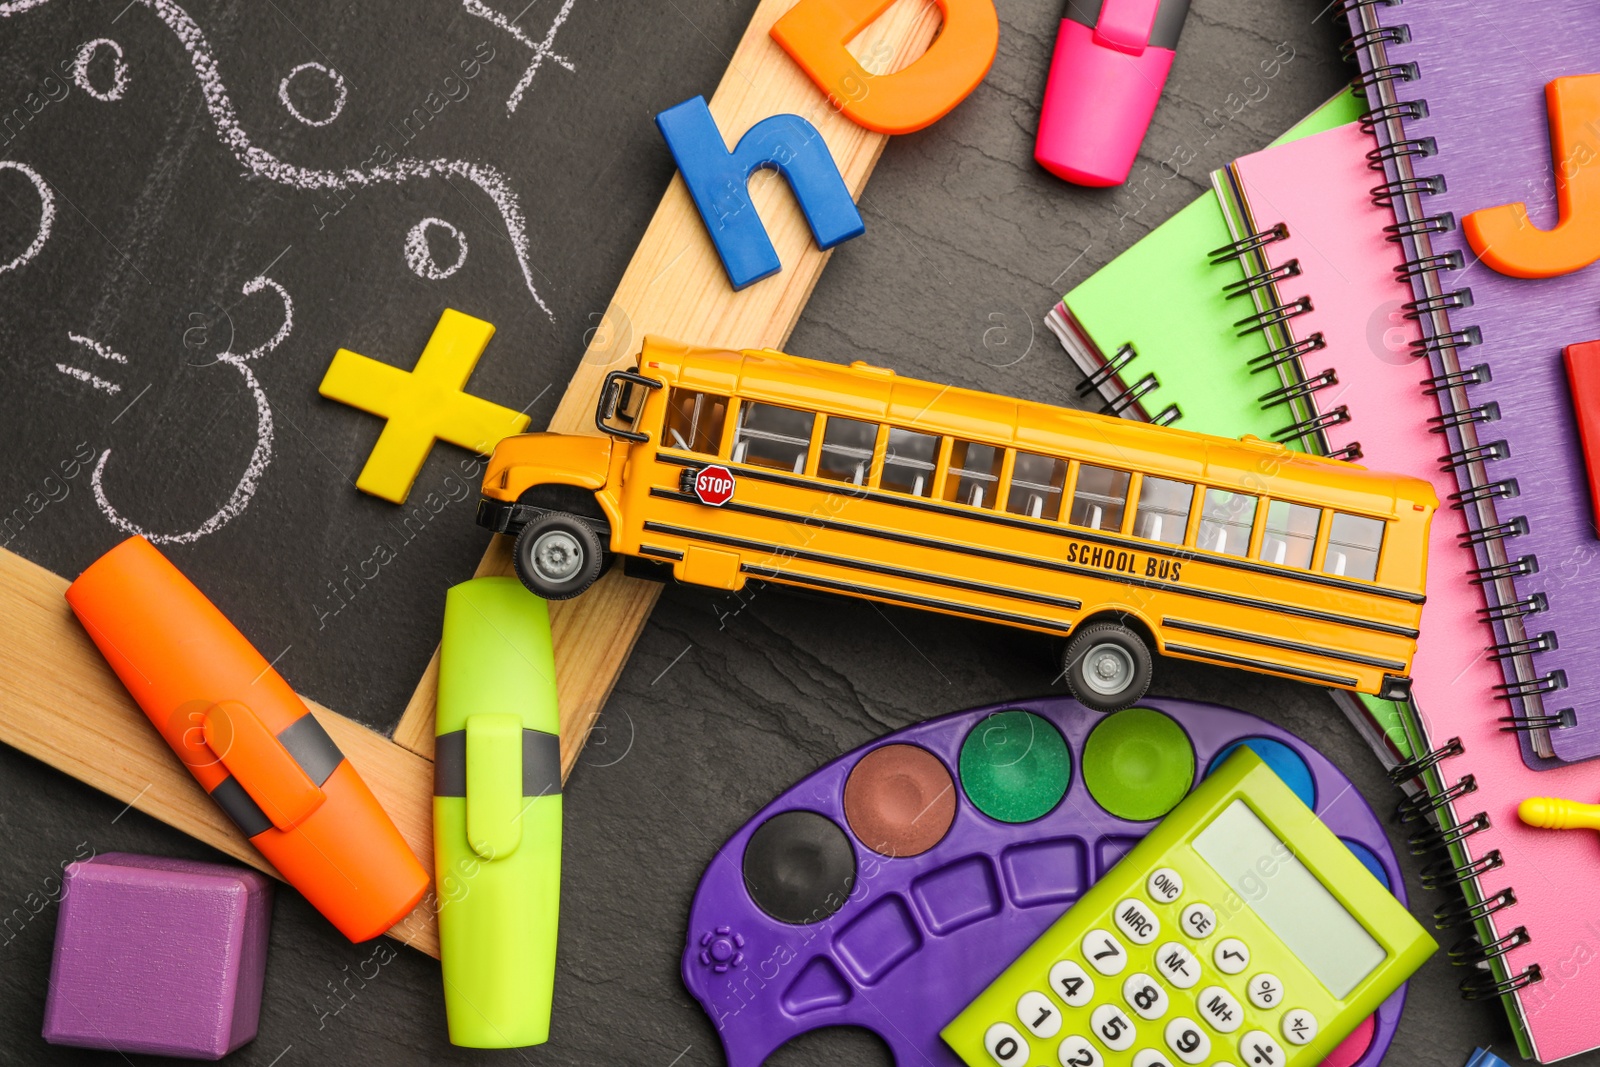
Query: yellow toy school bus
{"points": [[1122, 536]]}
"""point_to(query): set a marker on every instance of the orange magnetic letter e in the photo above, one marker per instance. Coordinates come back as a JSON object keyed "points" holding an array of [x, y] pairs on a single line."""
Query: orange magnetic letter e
{"points": [[815, 33], [1504, 237]]}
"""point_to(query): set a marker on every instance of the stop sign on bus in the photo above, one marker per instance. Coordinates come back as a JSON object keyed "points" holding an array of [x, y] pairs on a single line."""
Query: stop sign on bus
{"points": [[714, 485]]}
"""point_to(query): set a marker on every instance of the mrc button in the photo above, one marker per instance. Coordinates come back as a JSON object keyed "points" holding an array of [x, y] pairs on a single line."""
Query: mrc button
{"points": [[1137, 921], [799, 867]]}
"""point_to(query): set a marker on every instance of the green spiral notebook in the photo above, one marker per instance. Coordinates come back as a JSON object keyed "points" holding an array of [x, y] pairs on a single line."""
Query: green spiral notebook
{"points": [[1155, 330], [1166, 334]]}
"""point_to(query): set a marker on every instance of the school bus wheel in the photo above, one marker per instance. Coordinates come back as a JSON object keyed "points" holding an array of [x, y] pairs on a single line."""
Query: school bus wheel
{"points": [[558, 555], [1108, 666]]}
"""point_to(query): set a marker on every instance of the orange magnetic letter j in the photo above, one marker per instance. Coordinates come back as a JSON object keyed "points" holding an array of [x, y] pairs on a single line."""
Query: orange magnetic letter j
{"points": [[1504, 237]]}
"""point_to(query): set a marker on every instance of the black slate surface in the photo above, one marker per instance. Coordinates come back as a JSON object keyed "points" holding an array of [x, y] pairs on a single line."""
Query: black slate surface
{"points": [[726, 701]]}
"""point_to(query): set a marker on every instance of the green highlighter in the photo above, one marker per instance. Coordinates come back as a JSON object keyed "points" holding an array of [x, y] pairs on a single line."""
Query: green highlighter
{"points": [[497, 814]]}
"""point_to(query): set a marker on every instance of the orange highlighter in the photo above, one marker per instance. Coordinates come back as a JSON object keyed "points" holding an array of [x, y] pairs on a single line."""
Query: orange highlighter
{"points": [[250, 742]]}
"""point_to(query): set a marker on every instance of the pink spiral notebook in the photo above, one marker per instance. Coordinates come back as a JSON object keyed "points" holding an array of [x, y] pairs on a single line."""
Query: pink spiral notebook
{"points": [[1332, 249]]}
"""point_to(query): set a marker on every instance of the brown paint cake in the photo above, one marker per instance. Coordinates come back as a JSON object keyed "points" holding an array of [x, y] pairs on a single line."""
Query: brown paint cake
{"points": [[900, 800]]}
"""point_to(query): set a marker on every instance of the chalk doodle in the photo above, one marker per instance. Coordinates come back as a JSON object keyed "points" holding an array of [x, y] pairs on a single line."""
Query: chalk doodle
{"points": [[541, 51], [419, 256], [393, 171], [340, 88], [239, 499], [119, 70], [87, 377], [47, 212]]}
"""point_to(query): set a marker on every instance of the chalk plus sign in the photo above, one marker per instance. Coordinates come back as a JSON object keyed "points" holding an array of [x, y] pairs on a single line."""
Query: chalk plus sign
{"points": [[423, 405]]}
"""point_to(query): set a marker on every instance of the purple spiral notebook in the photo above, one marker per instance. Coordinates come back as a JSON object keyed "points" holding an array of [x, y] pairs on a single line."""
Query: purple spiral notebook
{"points": [[1457, 89]]}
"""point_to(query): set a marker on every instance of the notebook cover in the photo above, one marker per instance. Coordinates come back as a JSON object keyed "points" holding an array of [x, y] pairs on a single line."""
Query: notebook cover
{"points": [[1490, 142], [1482, 80], [1163, 297], [1318, 187]]}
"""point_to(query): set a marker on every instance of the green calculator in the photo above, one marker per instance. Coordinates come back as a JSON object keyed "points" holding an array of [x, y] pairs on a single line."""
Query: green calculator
{"points": [[1239, 933]]}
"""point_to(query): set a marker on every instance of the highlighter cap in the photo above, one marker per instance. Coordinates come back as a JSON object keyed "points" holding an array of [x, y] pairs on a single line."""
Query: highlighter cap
{"points": [[496, 655], [1110, 64], [248, 739]]}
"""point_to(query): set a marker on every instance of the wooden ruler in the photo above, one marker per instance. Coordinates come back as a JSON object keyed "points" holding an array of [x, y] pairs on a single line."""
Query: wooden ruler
{"points": [[60, 703]]}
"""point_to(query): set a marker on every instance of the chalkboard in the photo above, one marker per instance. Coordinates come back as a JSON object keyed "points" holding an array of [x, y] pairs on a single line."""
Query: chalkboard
{"points": [[727, 700], [201, 203]]}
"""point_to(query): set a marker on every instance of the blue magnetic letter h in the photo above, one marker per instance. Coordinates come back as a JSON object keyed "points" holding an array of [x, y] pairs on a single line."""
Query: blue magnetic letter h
{"points": [[718, 182]]}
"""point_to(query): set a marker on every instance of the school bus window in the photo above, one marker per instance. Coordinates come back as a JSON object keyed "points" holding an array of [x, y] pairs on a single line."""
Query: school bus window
{"points": [[974, 476], [909, 461], [694, 421], [847, 450], [1100, 498], [1291, 533], [1354, 542], [773, 437], [1036, 484], [1163, 510], [1225, 522]]}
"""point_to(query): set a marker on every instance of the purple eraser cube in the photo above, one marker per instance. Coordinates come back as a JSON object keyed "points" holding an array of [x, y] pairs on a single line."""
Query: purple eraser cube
{"points": [[158, 955]]}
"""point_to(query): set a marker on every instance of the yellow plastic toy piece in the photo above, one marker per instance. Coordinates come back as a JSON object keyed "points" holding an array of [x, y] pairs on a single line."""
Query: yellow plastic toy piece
{"points": [[425, 404], [1505, 238], [1553, 813]]}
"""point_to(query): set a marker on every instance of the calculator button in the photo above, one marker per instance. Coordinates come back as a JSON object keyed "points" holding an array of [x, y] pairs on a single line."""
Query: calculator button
{"points": [[1299, 1026], [1199, 921], [1006, 1045], [1178, 965], [1039, 1014], [1231, 955], [1113, 1027], [1138, 922], [1076, 1051], [1149, 1057], [1164, 885], [1187, 1040], [1145, 996], [1072, 984], [1265, 990], [1219, 1009], [1258, 1049], [1105, 952]]}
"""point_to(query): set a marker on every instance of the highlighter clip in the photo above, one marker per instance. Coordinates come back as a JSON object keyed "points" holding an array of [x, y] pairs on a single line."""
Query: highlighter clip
{"points": [[494, 784], [1126, 25], [261, 763]]}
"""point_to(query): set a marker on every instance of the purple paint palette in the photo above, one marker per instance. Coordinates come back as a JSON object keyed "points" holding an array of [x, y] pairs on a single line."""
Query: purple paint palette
{"points": [[889, 888]]}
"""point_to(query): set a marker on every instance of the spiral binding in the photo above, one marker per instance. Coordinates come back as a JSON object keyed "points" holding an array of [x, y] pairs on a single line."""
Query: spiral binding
{"points": [[1470, 951], [1420, 805], [1273, 314], [1419, 765], [1441, 874], [1387, 85], [1459, 913], [1130, 395], [1108, 370], [1383, 195]]}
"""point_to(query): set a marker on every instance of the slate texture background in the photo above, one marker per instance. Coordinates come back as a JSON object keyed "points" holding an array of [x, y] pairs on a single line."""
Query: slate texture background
{"points": [[726, 702]]}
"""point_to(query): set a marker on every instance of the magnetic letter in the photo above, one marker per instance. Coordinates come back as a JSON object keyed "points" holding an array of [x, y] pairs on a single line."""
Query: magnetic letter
{"points": [[718, 181], [1504, 237], [815, 33]]}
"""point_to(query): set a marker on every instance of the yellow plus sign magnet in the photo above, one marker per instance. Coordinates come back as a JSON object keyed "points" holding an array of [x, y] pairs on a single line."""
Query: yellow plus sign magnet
{"points": [[423, 405]]}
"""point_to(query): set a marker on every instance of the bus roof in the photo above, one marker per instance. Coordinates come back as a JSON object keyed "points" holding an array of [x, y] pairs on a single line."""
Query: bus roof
{"points": [[878, 394]]}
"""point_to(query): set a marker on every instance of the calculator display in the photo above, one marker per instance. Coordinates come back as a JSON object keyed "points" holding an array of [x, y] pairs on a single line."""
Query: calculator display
{"points": [[1311, 922]]}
